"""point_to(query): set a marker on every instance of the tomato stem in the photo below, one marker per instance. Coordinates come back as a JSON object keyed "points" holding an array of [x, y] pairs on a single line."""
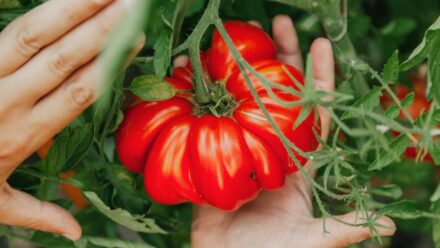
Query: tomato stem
{"points": [[192, 43]]}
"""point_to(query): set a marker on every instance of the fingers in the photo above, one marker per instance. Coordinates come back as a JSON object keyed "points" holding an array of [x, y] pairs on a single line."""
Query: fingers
{"points": [[181, 61], [64, 104], [208, 216], [20, 209], [286, 40], [324, 76], [56, 62], [40, 27], [343, 235], [255, 23]]}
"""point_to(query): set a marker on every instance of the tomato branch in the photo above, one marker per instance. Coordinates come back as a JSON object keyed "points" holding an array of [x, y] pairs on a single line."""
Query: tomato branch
{"points": [[192, 44]]}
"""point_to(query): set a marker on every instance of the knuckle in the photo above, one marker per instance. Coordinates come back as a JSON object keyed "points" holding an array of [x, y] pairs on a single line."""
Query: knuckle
{"points": [[80, 96], [104, 24], [27, 42], [109, 18], [11, 149], [70, 13], [61, 64]]}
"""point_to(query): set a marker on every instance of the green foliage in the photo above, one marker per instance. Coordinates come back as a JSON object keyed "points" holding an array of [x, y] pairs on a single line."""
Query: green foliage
{"points": [[403, 210], [366, 103], [390, 71], [152, 88], [395, 151], [9, 4], [134, 222], [428, 49], [70, 147]]}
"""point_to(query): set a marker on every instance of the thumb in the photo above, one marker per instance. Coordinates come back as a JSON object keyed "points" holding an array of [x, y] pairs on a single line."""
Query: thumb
{"points": [[20, 209], [343, 235]]}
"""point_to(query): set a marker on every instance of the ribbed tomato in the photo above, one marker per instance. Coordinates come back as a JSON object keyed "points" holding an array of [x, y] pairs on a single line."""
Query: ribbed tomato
{"points": [[188, 153]]}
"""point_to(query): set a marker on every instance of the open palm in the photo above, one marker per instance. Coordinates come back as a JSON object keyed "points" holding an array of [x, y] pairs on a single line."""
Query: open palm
{"points": [[284, 218]]}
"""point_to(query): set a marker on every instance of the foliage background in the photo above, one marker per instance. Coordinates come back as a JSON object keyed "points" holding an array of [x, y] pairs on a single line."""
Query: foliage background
{"points": [[376, 28]]}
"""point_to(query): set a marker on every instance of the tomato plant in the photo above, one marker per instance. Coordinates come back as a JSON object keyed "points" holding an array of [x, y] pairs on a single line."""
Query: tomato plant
{"points": [[171, 135], [417, 105], [224, 151]]}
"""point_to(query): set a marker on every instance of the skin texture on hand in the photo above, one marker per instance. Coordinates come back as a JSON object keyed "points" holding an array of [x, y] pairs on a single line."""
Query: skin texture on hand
{"points": [[284, 218], [49, 78]]}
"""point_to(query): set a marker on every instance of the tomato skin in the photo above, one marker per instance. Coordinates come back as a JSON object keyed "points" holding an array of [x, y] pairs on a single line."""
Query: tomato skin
{"points": [[142, 123], [272, 70], [267, 166], [173, 171], [251, 41], [221, 162]]}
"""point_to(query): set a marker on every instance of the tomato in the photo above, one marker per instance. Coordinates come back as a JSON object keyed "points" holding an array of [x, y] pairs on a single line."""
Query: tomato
{"points": [[252, 43], [221, 158]]}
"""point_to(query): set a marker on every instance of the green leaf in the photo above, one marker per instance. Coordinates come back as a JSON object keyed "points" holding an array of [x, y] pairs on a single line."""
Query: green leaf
{"points": [[152, 88], [390, 71], [399, 26], [127, 195], [424, 48], [403, 210], [367, 103], [69, 148], [436, 195], [168, 21], [50, 240], [103, 112], [397, 147], [180, 11], [9, 4], [116, 243], [408, 100], [305, 112], [136, 223], [392, 191], [434, 151], [162, 52], [436, 224], [434, 70], [436, 117], [392, 112]]}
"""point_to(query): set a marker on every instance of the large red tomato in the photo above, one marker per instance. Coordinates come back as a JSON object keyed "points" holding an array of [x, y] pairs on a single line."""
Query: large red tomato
{"points": [[250, 41], [190, 154]]}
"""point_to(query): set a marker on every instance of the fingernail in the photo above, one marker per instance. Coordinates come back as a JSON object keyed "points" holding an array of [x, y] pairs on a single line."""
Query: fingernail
{"points": [[388, 227]]}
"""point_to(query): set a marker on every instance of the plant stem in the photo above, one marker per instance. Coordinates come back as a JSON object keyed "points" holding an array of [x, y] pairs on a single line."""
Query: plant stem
{"points": [[193, 45]]}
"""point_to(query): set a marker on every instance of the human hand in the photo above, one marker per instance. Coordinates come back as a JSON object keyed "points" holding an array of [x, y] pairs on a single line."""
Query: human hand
{"points": [[48, 76], [284, 218]]}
